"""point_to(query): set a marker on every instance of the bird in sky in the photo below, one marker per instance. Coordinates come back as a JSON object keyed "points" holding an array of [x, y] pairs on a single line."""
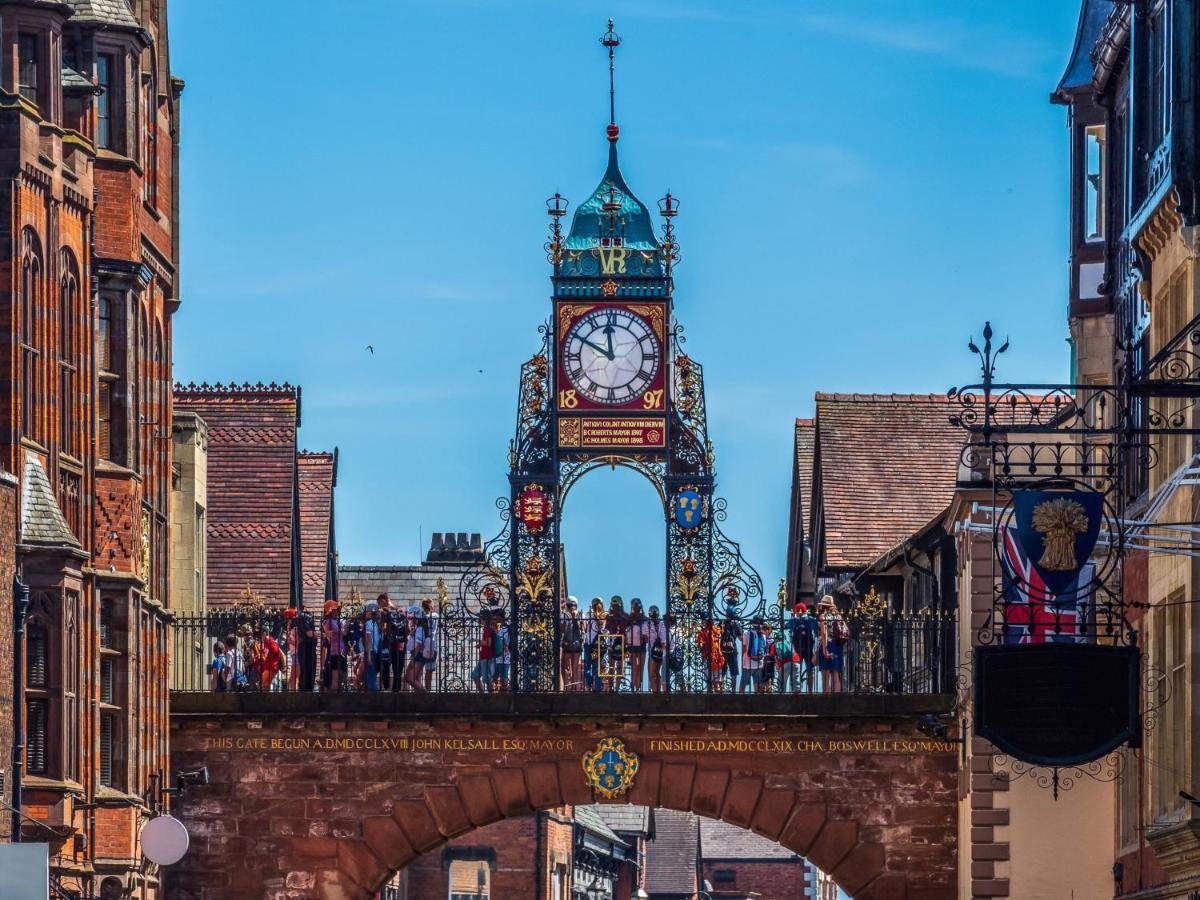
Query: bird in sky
{"points": [[371, 349]]}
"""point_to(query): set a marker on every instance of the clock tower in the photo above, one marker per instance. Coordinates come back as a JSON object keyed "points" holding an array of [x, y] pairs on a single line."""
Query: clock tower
{"points": [[610, 386]]}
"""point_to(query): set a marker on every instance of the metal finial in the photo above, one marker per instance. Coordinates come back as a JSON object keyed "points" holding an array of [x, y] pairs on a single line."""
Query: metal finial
{"points": [[611, 40]]}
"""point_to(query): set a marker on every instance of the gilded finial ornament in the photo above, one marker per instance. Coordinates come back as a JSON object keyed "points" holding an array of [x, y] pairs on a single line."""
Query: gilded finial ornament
{"points": [[610, 768]]}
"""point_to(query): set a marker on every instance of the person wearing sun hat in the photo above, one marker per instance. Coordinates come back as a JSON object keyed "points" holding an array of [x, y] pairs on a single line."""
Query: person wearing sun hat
{"points": [[831, 644], [570, 636]]}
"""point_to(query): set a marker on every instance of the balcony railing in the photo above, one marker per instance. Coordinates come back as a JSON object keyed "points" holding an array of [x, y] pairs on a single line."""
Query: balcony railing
{"points": [[266, 652]]}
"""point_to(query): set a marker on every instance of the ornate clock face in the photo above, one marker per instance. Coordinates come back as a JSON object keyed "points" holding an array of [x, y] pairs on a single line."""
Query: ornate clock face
{"points": [[611, 356]]}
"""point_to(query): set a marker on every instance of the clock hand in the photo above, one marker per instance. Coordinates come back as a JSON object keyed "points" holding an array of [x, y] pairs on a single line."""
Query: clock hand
{"points": [[607, 353], [608, 333]]}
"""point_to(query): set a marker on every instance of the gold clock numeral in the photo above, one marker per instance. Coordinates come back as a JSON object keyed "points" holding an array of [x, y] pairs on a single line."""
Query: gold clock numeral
{"points": [[652, 399], [567, 399]]}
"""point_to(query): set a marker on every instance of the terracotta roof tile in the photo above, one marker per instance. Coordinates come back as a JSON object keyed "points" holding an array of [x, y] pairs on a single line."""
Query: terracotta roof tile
{"points": [[671, 858], [888, 464], [806, 445], [318, 477], [251, 486]]}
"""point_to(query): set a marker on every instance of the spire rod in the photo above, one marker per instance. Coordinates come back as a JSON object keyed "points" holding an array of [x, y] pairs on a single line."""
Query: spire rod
{"points": [[612, 41]]}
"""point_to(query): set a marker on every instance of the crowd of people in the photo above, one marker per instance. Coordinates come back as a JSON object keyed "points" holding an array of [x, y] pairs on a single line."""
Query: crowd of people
{"points": [[384, 647], [606, 648], [614, 649]]}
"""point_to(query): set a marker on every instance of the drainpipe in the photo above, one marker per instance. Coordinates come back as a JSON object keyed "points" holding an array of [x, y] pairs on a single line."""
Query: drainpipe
{"points": [[20, 596]]}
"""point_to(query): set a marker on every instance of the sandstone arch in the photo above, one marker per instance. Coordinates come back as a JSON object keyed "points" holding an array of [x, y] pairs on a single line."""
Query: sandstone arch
{"points": [[328, 808]]}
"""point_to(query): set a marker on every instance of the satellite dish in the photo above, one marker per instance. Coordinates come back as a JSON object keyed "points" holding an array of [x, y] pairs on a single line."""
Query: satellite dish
{"points": [[164, 840]]}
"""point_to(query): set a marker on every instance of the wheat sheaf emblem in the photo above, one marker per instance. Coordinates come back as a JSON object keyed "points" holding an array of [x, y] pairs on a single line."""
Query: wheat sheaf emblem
{"points": [[1059, 522]]}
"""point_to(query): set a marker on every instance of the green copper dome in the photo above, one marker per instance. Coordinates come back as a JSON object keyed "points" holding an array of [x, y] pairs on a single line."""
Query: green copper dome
{"points": [[633, 223]]}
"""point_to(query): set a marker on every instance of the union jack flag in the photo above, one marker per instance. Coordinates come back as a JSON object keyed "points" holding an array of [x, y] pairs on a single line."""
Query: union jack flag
{"points": [[1032, 614]]}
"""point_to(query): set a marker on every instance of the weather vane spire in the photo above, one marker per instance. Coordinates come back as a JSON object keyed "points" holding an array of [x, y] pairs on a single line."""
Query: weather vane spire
{"points": [[612, 41]]}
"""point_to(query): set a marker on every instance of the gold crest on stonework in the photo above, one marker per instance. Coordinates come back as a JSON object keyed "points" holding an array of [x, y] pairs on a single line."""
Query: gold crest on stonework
{"points": [[610, 768]]}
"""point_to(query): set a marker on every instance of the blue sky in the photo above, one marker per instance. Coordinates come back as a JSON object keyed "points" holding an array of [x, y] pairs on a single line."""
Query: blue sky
{"points": [[863, 183]]}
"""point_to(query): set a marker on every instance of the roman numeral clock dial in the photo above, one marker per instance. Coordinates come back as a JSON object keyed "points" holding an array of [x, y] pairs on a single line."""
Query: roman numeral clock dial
{"points": [[611, 356]]}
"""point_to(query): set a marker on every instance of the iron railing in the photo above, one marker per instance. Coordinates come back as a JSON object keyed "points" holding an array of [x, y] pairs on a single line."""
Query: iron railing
{"points": [[890, 654]]}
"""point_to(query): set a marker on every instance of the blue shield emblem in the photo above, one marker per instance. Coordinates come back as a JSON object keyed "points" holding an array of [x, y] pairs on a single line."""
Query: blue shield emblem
{"points": [[689, 509], [610, 768], [1058, 531]]}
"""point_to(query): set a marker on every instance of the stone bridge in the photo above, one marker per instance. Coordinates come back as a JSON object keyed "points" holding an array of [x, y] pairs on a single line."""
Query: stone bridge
{"points": [[326, 795]]}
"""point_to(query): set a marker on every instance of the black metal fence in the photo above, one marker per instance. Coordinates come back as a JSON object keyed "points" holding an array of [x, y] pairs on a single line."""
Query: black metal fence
{"points": [[271, 651]]}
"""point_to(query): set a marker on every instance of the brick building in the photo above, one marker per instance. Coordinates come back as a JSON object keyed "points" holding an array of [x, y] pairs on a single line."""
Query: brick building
{"points": [[740, 865], [88, 251], [557, 854], [1129, 88]]}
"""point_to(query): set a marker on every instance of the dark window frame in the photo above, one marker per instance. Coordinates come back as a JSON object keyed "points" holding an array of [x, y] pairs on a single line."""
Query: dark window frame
{"points": [[29, 58]]}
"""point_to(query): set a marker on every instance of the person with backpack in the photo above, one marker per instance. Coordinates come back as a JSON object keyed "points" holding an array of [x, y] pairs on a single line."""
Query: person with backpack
{"points": [[654, 637], [416, 646], [334, 645], [784, 654], [754, 652], [484, 672], [502, 647], [429, 643], [635, 644], [591, 645], [766, 675], [570, 633], [731, 652], [833, 635], [612, 662], [803, 631]]}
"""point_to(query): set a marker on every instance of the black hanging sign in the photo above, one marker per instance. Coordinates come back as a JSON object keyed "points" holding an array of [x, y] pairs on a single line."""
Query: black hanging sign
{"points": [[1057, 704]]}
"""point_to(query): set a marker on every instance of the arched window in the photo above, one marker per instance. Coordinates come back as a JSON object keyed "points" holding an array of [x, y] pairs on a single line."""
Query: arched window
{"points": [[31, 293], [69, 357]]}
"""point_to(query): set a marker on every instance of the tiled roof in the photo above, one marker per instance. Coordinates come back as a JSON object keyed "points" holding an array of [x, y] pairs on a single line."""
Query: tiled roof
{"points": [[1080, 68], [887, 464], [671, 858], [589, 818], [251, 486], [624, 818], [42, 521], [720, 841], [105, 12], [404, 584], [318, 477], [806, 443]]}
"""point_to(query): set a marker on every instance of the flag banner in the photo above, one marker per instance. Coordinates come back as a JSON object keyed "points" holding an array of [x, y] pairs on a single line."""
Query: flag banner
{"points": [[1057, 531], [1033, 612]]}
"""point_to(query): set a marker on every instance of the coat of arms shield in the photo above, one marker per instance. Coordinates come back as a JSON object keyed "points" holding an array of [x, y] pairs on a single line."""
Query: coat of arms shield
{"points": [[610, 768]]}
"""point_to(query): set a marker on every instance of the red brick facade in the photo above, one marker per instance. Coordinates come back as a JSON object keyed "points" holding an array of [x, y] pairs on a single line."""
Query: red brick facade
{"points": [[520, 853], [253, 490], [88, 284], [325, 807]]}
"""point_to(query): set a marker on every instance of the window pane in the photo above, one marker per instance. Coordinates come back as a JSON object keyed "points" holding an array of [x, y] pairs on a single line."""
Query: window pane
{"points": [[27, 75], [104, 69], [35, 649], [106, 750], [106, 681], [1094, 188], [37, 727]]}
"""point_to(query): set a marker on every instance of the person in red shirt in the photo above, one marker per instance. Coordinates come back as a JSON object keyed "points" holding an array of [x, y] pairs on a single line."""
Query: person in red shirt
{"points": [[271, 660], [709, 641]]}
